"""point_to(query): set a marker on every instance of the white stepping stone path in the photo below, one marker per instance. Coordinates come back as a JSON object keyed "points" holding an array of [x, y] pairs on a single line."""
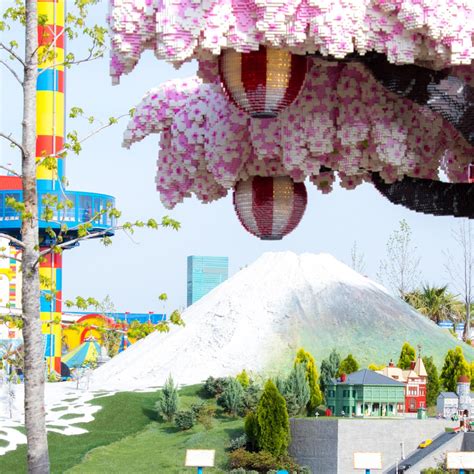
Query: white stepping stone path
{"points": [[66, 406]]}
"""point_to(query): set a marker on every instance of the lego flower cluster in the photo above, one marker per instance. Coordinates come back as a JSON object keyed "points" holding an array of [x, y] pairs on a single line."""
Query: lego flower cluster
{"points": [[343, 123], [406, 31]]}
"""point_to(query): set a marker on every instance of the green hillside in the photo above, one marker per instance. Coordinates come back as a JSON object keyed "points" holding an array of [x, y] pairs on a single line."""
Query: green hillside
{"points": [[125, 437], [368, 323]]}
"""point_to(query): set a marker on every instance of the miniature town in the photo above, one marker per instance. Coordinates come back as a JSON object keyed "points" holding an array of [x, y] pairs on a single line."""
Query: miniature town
{"points": [[236, 236]]}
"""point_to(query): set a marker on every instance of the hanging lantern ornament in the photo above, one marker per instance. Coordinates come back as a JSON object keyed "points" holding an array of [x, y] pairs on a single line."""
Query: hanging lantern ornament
{"points": [[270, 207], [262, 82]]}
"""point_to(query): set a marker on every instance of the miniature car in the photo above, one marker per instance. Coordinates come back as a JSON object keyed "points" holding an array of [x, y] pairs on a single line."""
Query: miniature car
{"points": [[404, 467], [425, 443]]}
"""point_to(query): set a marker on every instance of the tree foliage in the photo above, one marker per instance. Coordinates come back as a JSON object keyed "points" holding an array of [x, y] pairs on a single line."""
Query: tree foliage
{"points": [[243, 378], [435, 302], [329, 368], [432, 383], [461, 270], [348, 365], [251, 430], [399, 269], [454, 366], [232, 397], [185, 420], [169, 399], [295, 390], [305, 359], [273, 422], [407, 356]]}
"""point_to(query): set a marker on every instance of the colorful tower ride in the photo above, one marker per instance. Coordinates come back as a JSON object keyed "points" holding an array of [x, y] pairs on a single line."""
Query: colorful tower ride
{"points": [[83, 207]]}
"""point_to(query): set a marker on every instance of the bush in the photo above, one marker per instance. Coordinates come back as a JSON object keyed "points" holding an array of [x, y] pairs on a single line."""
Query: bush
{"points": [[184, 420], [214, 387], [251, 397], [232, 396], [262, 461], [204, 414], [243, 378], [167, 404], [237, 443], [251, 430]]}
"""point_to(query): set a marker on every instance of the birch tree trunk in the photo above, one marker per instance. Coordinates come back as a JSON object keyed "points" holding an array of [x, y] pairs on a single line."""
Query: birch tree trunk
{"points": [[38, 457]]}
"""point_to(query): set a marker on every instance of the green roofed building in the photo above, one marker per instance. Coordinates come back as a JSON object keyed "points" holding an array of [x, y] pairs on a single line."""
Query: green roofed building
{"points": [[365, 393]]}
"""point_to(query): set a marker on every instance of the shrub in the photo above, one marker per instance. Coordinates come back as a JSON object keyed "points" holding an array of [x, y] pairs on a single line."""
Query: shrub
{"points": [[167, 404], [251, 397], [184, 420], [239, 442], [272, 421], [251, 430], [243, 378], [232, 396], [296, 390], [204, 414], [213, 387], [262, 461]]}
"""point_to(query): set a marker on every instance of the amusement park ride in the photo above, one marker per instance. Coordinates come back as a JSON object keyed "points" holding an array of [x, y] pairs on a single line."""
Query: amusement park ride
{"points": [[82, 206]]}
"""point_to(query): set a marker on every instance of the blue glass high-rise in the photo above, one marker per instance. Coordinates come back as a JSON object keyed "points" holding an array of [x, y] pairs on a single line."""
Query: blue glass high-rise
{"points": [[204, 274]]}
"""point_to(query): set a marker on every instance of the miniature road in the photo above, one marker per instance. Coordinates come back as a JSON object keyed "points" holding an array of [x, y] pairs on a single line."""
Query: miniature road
{"points": [[419, 454]]}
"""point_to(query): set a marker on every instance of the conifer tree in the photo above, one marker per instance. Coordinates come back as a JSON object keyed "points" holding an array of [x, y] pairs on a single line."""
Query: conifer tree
{"points": [[243, 378], [454, 366], [232, 396], [307, 361], [251, 430], [273, 422], [295, 390], [168, 402], [348, 365], [329, 368], [432, 383], [407, 356]]}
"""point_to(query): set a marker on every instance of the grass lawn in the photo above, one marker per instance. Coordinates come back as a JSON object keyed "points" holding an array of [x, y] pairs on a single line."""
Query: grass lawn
{"points": [[125, 437]]}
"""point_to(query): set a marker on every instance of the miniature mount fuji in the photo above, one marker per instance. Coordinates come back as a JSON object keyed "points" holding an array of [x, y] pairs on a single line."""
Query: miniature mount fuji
{"points": [[261, 316]]}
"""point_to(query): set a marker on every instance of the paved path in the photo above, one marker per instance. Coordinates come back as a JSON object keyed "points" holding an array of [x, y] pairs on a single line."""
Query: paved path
{"points": [[419, 454]]}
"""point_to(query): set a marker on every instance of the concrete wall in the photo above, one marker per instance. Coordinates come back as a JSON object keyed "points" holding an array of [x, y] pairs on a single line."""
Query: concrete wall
{"points": [[327, 445]]}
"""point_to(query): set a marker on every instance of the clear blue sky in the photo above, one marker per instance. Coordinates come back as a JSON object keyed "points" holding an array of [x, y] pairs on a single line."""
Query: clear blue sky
{"points": [[134, 271]]}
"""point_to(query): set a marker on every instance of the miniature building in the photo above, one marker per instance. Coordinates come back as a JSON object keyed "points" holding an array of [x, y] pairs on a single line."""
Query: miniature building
{"points": [[414, 380], [365, 393], [449, 404]]}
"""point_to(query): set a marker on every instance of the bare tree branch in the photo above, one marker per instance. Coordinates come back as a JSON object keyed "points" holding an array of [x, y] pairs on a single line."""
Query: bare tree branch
{"points": [[12, 52], [15, 75], [10, 170], [17, 242], [12, 140]]}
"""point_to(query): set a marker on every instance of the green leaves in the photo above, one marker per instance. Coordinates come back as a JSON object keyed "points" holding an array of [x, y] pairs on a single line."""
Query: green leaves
{"points": [[167, 221]]}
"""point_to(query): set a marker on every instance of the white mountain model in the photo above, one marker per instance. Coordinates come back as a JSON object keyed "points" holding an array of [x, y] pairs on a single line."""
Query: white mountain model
{"points": [[260, 317]]}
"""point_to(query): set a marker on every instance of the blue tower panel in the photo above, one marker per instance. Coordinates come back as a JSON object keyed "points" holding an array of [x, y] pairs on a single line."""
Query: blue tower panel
{"points": [[204, 274]]}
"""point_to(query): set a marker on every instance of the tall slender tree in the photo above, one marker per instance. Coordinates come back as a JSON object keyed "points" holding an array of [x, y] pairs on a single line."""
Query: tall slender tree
{"points": [[400, 268], [23, 17], [329, 368], [273, 422], [461, 269], [307, 361], [432, 383]]}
